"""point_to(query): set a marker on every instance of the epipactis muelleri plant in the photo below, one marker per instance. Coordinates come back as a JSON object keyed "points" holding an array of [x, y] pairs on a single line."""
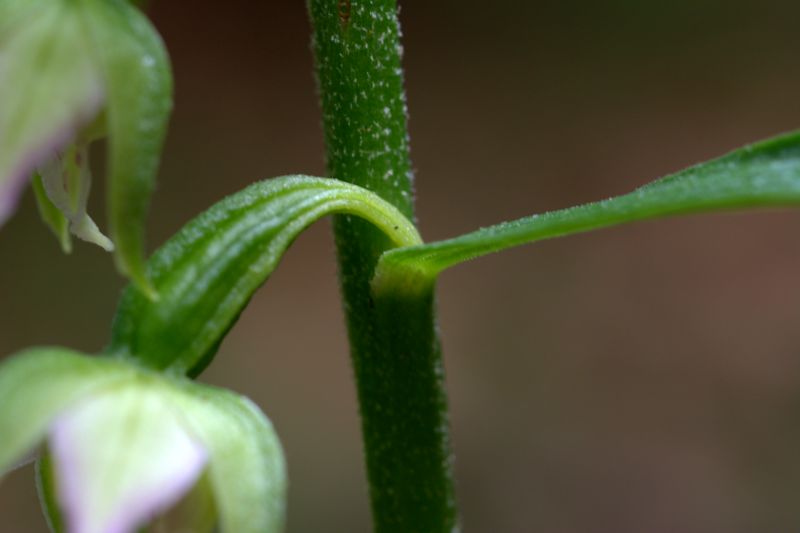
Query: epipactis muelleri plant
{"points": [[125, 435]]}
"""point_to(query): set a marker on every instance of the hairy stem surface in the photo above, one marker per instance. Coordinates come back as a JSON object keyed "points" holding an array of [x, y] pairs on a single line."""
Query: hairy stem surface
{"points": [[394, 346]]}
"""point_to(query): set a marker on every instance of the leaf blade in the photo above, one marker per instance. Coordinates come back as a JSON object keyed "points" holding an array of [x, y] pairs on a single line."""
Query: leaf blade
{"points": [[206, 273], [765, 174]]}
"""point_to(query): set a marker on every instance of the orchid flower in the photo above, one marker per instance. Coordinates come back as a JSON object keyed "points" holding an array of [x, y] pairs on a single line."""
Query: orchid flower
{"points": [[71, 72], [128, 435], [124, 444]]}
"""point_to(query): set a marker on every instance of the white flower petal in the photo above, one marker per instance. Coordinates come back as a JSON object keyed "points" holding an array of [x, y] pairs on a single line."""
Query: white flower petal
{"points": [[121, 458]]}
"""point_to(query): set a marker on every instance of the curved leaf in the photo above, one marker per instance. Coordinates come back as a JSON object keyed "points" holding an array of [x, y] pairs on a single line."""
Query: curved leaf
{"points": [[246, 467], [766, 174], [206, 273], [38, 384], [138, 85]]}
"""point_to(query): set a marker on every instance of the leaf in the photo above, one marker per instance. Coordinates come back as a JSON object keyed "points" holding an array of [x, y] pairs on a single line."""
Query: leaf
{"points": [[36, 385], [246, 468], [206, 273], [138, 82], [766, 174]]}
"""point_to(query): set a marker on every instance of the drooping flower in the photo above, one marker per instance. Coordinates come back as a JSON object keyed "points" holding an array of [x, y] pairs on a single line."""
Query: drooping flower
{"points": [[73, 71], [124, 444]]}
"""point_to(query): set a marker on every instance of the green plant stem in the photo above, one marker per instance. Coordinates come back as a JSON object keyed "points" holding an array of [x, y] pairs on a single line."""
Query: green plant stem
{"points": [[394, 346]]}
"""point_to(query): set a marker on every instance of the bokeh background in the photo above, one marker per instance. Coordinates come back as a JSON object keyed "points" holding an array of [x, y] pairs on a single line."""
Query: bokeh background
{"points": [[644, 378]]}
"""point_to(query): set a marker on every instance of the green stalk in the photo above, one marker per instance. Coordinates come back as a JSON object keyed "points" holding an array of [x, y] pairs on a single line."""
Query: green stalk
{"points": [[394, 345]]}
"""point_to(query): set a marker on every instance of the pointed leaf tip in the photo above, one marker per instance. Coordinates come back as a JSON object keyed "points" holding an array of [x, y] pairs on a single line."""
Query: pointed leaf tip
{"points": [[764, 174]]}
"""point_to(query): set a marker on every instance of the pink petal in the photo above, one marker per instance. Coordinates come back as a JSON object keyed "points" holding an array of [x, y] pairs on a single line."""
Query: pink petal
{"points": [[121, 458]]}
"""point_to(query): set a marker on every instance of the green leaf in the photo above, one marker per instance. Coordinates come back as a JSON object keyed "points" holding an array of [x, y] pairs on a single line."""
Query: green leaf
{"points": [[206, 273], [766, 174], [37, 385], [49, 87], [246, 467], [138, 83]]}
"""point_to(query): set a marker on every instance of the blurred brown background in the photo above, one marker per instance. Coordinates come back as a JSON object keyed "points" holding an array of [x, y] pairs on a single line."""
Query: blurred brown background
{"points": [[640, 379]]}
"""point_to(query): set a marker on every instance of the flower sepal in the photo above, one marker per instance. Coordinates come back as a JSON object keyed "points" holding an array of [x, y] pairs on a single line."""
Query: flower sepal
{"points": [[72, 72], [126, 444]]}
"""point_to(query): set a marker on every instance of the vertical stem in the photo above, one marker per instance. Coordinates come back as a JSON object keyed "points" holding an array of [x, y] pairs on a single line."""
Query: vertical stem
{"points": [[394, 345]]}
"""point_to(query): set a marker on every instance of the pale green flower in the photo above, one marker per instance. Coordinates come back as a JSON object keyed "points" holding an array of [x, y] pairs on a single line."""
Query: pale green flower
{"points": [[125, 444], [73, 71]]}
